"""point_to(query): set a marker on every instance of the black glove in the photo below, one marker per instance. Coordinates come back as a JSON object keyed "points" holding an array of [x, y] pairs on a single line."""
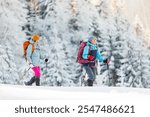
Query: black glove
{"points": [[106, 61], [46, 60]]}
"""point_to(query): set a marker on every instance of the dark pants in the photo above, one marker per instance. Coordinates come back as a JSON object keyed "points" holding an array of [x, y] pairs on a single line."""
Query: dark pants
{"points": [[32, 80], [91, 72]]}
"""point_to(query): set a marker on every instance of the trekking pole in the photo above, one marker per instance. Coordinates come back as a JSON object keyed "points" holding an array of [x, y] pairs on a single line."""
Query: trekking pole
{"points": [[25, 73], [46, 67], [83, 76], [108, 71], [46, 60], [82, 79], [108, 75]]}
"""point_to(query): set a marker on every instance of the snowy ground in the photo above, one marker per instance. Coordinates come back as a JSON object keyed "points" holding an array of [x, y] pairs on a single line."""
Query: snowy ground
{"points": [[26, 92]]}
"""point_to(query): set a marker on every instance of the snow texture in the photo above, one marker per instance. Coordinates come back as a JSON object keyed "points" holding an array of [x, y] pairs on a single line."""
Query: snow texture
{"points": [[65, 93]]}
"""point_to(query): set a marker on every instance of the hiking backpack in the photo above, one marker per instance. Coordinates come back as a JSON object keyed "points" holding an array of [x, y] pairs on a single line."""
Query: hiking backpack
{"points": [[25, 46], [80, 59]]}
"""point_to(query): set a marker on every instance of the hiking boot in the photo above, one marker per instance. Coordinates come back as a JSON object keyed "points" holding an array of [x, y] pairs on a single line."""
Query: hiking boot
{"points": [[90, 82], [37, 80]]}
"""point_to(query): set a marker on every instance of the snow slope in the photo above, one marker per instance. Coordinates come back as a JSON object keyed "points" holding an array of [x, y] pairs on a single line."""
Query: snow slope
{"points": [[15, 92]]}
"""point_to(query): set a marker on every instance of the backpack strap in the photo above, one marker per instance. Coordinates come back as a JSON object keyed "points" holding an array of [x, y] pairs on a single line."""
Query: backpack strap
{"points": [[33, 48], [89, 49]]}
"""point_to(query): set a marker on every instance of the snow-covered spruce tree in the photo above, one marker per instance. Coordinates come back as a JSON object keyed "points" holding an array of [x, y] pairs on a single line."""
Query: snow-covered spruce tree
{"points": [[8, 69], [147, 83], [132, 68], [140, 59], [125, 66], [32, 6], [119, 45], [137, 69], [11, 37], [145, 69], [134, 65]]}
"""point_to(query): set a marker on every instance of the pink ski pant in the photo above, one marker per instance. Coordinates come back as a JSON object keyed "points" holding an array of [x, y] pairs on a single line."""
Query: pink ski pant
{"points": [[37, 71]]}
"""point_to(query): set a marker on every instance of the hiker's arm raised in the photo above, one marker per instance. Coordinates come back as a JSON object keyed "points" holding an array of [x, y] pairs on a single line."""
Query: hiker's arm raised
{"points": [[29, 53], [85, 52]]}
